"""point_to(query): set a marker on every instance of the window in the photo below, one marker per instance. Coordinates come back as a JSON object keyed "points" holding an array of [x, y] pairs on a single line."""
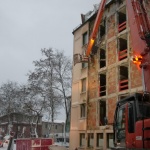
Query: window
{"points": [[90, 139], [102, 30], [123, 83], [102, 86], [122, 19], [83, 110], [82, 139], [102, 61], [100, 140], [83, 89], [122, 47], [85, 38], [84, 65], [102, 113], [110, 140], [56, 127]]}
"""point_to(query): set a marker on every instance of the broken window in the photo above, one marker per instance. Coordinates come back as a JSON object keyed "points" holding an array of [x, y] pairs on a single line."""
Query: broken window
{"points": [[102, 112], [123, 79], [100, 140], [102, 59], [102, 30], [102, 86], [82, 139], [83, 110], [122, 19], [122, 47], [85, 38], [90, 139]]}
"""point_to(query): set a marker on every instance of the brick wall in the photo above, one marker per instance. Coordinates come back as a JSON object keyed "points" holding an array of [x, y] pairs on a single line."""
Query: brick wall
{"points": [[111, 107], [111, 26], [112, 77], [91, 117], [135, 75], [112, 46], [93, 79]]}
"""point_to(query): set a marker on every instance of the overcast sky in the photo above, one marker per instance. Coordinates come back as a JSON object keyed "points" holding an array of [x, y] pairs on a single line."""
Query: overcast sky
{"points": [[26, 26]]}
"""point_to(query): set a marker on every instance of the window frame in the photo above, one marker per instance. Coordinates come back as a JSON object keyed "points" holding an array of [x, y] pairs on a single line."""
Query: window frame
{"points": [[82, 110], [83, 85], [84, 38], [82, 139]]}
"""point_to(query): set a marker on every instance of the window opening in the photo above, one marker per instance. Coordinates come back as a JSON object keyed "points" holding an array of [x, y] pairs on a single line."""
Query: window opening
{"points": [[123, 83], [85, 38], [102, 61], [102, 86], [102, 111], [83, 89], [110, 140], [122, 41], [82, 139], [83, 110], [100, 140], [122, 20], [90, 139], [102, 30], [84, 65]]}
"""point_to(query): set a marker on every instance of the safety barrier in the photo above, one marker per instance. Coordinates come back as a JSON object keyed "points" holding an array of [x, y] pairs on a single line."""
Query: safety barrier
{"points": [[33, 144]]}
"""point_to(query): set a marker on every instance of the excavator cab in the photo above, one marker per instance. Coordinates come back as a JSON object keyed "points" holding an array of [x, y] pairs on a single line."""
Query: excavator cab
{"points": [[132, 122]]}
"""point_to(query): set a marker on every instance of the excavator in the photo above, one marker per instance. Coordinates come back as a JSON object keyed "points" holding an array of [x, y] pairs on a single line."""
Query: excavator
{"points": [[132, 114]]}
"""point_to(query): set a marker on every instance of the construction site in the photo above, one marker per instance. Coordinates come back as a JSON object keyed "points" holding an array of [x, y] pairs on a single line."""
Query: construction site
{"points": [[100, 80]]}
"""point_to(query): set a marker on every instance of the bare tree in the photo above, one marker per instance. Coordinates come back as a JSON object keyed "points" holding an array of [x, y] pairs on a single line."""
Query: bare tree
{"points": [[43, 77], [10, 101], [63, 70]]}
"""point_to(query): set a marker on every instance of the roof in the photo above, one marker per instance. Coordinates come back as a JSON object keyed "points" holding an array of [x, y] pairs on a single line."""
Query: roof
{"points": [[86, 17]]}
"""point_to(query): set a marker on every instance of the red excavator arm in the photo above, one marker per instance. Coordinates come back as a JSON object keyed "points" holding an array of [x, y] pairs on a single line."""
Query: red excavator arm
{"points": [[137, 13], [95, 28]]}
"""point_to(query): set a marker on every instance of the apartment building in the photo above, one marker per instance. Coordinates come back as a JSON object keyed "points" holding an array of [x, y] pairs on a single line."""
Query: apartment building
{"points": [[108, 76]]}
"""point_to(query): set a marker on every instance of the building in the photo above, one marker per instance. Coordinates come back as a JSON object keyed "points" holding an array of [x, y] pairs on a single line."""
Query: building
{"points": [[21, 124], [52, 128], [109, 76]]}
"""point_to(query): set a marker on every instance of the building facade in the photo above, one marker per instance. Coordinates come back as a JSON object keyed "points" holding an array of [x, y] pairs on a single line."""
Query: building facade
{"points": [[21, 124], [49, 128], [109, 76]]}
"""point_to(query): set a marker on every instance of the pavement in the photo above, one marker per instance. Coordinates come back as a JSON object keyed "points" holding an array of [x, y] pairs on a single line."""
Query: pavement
{"points": [[5, 147]]}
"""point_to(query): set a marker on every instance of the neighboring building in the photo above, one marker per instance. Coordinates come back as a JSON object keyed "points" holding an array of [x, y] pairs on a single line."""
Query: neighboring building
{"points": [[21, 124], [49, 128], [55, 130], [109, 76]]}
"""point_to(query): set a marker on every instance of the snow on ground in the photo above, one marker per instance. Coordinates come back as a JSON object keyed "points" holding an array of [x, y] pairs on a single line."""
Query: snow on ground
{"points": [[5, 147]]}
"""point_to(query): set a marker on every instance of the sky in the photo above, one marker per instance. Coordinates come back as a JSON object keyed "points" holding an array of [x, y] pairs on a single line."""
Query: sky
{"points": [[27, 26]]}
